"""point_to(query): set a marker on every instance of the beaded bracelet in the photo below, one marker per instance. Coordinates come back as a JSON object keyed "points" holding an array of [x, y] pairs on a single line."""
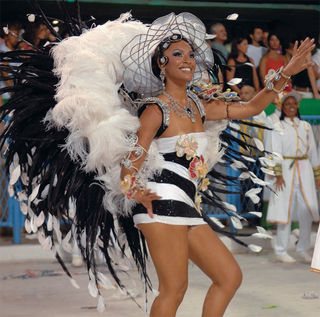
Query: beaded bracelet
{"points": [[275, 76]]}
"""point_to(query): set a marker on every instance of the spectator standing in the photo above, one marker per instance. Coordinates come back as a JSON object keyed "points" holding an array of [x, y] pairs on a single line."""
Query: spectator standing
{"points": [[255, 49], [10, 41], [316, 62], [241, 66], [305, 82], [295, 178], [273, 59], [221, 36]]}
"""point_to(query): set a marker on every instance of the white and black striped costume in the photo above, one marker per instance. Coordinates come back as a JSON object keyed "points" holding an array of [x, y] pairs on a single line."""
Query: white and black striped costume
{"points": [[175, 185]]}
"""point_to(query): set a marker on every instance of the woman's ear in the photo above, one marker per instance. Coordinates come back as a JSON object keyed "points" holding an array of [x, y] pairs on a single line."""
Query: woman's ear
{"points": [[163, 60]]}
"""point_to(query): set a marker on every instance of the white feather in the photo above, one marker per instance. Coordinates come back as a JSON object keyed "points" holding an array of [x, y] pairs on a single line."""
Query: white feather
{"points": [[256, 213], [101, 307], [47, 243], [259, 144], [33, 225], [27, 226], [45, 192], [252, 194], [66, 245], [233, 16], [92, 287], [238, 165], [49, 222], [104, 281], [244, 175], [267, 171], [24, 208], [72, 208], [255, 248], [230, 206], [262, 235], [14, 176], [15, 159], [247, 158], [234, 81], [29, 158], [56, 228], [74, 283], [34, 193], [10, 190], [40, 219], [55, 180], [236, 223], [217, 222]]}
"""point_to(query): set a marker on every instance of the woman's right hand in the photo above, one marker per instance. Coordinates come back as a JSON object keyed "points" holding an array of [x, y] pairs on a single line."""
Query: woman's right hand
{"points": [[299, 61], [280, 183], [145, 197]]}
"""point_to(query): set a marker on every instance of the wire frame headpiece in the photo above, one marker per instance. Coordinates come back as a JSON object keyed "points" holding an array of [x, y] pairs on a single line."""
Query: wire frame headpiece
{"points": [[137, 54]]}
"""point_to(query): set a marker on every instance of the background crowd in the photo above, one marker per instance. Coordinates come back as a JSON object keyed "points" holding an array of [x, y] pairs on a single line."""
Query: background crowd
{"points": [[249, 56]]}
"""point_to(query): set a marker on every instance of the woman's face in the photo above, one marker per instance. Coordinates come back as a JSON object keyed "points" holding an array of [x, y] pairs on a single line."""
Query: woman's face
{"points": [[42, 32], [243, 46], [274, 42], [290, 107], [181, 61]]}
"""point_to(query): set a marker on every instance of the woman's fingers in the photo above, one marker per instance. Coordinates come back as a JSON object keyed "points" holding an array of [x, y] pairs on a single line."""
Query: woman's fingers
{"points": [[306, 46]]}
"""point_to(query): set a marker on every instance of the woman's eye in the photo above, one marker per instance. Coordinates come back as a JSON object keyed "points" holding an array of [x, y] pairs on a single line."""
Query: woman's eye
{"points": [[177, 54], [192, 55]]}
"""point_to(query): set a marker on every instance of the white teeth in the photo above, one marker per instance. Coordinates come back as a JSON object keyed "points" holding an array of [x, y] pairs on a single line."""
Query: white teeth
{"points": [[186, 69]]}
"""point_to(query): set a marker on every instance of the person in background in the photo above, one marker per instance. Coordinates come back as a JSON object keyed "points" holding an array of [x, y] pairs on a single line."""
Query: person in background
{"points": [[305, 82], [37, 33], [316, 63], [273, 59], [295, 181], [10, 42], [221, 36], [241, 66], [255, 49], [265, 38]]}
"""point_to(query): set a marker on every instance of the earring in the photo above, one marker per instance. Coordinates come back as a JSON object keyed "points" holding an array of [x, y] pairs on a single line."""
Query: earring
{"points": [[163, 78]]}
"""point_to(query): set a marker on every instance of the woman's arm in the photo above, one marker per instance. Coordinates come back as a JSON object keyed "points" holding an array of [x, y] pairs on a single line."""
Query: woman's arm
{"points": [[216, 110], [262, 69], [255, 76], [150, 121], [312, 78]]}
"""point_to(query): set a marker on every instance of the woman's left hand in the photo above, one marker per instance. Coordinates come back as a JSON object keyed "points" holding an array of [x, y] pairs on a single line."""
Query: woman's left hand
{"points": [[299, 60]]}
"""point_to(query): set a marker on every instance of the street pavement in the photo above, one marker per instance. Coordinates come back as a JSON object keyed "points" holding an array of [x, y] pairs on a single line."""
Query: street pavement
{"points": [[270, 289]]}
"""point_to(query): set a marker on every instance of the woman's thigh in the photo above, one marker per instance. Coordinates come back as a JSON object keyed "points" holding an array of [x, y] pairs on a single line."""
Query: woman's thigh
{"points": [[210, 254], [168, 247]]}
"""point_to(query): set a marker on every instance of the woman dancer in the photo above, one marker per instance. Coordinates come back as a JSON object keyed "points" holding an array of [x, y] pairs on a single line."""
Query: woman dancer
{"points": [[167, 212]]}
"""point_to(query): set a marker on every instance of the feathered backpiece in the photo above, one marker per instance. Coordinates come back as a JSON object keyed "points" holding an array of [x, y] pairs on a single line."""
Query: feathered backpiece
{"points": [[68, 128]]}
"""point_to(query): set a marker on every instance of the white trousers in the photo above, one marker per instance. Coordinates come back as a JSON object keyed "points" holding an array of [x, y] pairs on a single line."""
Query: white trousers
{"points": [[305, 225]]}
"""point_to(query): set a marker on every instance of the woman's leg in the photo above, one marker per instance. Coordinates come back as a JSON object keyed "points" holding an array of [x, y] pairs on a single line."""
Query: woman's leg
{"points": [[168, 246], [209, 253]]}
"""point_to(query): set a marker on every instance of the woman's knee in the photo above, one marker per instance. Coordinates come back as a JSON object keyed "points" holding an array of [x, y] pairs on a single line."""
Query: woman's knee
{"points": [[174, 291], [231, 280]]}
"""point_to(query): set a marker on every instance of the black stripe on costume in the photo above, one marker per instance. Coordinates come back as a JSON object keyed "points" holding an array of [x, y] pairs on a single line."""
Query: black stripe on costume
{"points": [[172, 157], [169, 177], [171, 208]]}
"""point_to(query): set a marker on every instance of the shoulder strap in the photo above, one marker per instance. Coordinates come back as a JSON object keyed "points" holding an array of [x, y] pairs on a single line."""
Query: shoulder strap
{"points": [[164, 109], [198, 103]]}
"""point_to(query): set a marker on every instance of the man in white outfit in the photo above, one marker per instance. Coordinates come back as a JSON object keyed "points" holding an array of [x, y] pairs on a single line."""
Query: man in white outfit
{"points": [[296, 177]]}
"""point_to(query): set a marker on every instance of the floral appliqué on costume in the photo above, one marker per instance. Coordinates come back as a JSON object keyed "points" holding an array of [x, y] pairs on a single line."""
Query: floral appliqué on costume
{"points": [[198, 168]]}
